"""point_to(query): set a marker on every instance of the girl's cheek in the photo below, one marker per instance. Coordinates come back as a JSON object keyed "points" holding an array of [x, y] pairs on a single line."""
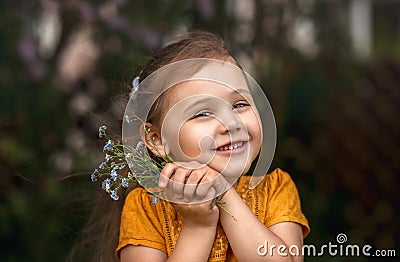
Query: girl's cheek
{"points": [[252, 124], [189, 141]]}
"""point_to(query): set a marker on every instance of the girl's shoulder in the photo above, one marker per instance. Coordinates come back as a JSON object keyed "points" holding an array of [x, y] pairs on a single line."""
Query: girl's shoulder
{"points": [[277, 178], [274, 199], [141, 198], [277, 184], [138, 194]]}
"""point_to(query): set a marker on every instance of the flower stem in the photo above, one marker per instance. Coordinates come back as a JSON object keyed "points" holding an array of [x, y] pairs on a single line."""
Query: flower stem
{"points": [[220, 205]]}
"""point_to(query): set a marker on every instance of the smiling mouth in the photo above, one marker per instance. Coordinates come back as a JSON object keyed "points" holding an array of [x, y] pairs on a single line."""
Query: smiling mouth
{"points": [[230, 147]]}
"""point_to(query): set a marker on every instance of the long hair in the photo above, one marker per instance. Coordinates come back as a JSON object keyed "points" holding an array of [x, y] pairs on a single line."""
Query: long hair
{"points": [[100, 235]]}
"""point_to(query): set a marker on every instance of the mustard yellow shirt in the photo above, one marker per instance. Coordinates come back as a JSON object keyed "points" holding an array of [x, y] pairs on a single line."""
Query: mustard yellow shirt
{"points": [[158, 226]]}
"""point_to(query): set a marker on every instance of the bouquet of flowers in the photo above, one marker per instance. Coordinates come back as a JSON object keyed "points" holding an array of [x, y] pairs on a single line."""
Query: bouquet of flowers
{"points": [[147, 170], [117, 157]]}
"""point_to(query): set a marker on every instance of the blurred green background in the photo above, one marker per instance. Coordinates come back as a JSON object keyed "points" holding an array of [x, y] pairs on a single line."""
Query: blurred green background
{"points": [[331, 70]]}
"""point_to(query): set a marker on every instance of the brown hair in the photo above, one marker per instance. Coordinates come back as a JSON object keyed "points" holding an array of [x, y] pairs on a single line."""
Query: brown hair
{"points": [[195, 44]]}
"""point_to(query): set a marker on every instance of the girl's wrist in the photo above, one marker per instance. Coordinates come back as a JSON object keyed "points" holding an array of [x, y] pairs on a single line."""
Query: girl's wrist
{"points": [[225, 196], [195, 228]]}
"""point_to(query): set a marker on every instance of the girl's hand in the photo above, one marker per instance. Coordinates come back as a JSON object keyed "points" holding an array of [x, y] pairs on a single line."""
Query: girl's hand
{"points": [[185, 182], [199, 215]]}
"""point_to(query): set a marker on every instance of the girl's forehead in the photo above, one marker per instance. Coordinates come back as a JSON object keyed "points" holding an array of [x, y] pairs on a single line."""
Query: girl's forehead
{"points": [[195, 69], [196, 89], [209, 87]]}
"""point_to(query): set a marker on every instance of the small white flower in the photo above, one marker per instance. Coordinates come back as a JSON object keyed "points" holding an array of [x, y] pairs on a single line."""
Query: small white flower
{"points": [[135, 85], [140, 145], [128, 119], [114, 175]]}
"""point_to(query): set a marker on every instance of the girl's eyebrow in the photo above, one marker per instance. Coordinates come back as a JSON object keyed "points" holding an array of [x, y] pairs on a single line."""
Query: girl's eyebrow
{"points": [[209, 99], [241, 91], [197, 102]]}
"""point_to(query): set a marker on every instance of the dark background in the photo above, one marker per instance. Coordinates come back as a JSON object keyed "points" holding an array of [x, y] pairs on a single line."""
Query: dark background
{"points": [[334, 91]]}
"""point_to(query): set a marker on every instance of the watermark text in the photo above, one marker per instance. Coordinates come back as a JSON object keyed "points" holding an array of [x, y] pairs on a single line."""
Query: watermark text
{"points": [[331, 249]]}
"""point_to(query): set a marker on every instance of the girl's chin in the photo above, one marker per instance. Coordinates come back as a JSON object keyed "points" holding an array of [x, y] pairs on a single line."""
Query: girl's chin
{"points": [[234, 173]]}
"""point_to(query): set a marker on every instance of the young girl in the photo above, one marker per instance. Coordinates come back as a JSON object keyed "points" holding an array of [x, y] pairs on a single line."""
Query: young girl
{"points": [[213, 131]]}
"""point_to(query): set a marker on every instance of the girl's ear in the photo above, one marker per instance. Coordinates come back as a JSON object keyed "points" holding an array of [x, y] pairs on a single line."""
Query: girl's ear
{"points": [[152, 139]]}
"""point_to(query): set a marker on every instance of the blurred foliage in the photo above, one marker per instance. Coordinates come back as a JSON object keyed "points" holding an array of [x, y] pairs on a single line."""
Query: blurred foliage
{"points": [[337, 114]]}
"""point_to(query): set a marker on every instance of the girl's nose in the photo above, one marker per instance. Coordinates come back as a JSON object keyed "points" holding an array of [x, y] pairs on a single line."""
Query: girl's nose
{"points": [[230, 122]]}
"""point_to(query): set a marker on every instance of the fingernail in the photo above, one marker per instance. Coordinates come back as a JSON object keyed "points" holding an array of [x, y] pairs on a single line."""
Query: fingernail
{"points": [[161, 183]]}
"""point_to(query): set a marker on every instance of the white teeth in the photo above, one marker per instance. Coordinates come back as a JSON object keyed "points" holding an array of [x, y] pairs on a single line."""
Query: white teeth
{"points": [[231, 147]]}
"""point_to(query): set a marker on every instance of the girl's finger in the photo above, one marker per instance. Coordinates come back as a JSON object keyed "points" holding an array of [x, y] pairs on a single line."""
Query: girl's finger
{"points": [[203, 188], [210, 181], [211, 193], [179, 180], [165, 174], [191, 183], [220, 184]]}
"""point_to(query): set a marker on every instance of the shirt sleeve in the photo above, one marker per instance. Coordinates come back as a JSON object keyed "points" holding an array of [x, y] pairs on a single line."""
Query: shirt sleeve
{"points": [[283, 203], [140, 225]]}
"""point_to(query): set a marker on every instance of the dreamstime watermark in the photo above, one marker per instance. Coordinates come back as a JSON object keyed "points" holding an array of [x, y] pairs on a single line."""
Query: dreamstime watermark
{"points": [[331, 249]]}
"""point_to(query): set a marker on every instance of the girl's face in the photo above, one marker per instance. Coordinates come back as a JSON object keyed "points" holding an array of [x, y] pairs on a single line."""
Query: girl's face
{"points": [[212, 124]]}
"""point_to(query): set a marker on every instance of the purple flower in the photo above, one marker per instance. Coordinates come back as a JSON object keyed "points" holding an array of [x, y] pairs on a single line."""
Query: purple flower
{"points": [[102, 165], [140, 145], [106, 184], [128, 119], [155, 200], [102, 131], [114, 175], [108, 146], [114, 195], [124, 182], [135, 85], [93, 176]]}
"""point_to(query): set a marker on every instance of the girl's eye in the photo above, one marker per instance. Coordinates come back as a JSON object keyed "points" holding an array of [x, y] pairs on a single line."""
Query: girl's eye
{"points": [[202, 114], [240, 105]]}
